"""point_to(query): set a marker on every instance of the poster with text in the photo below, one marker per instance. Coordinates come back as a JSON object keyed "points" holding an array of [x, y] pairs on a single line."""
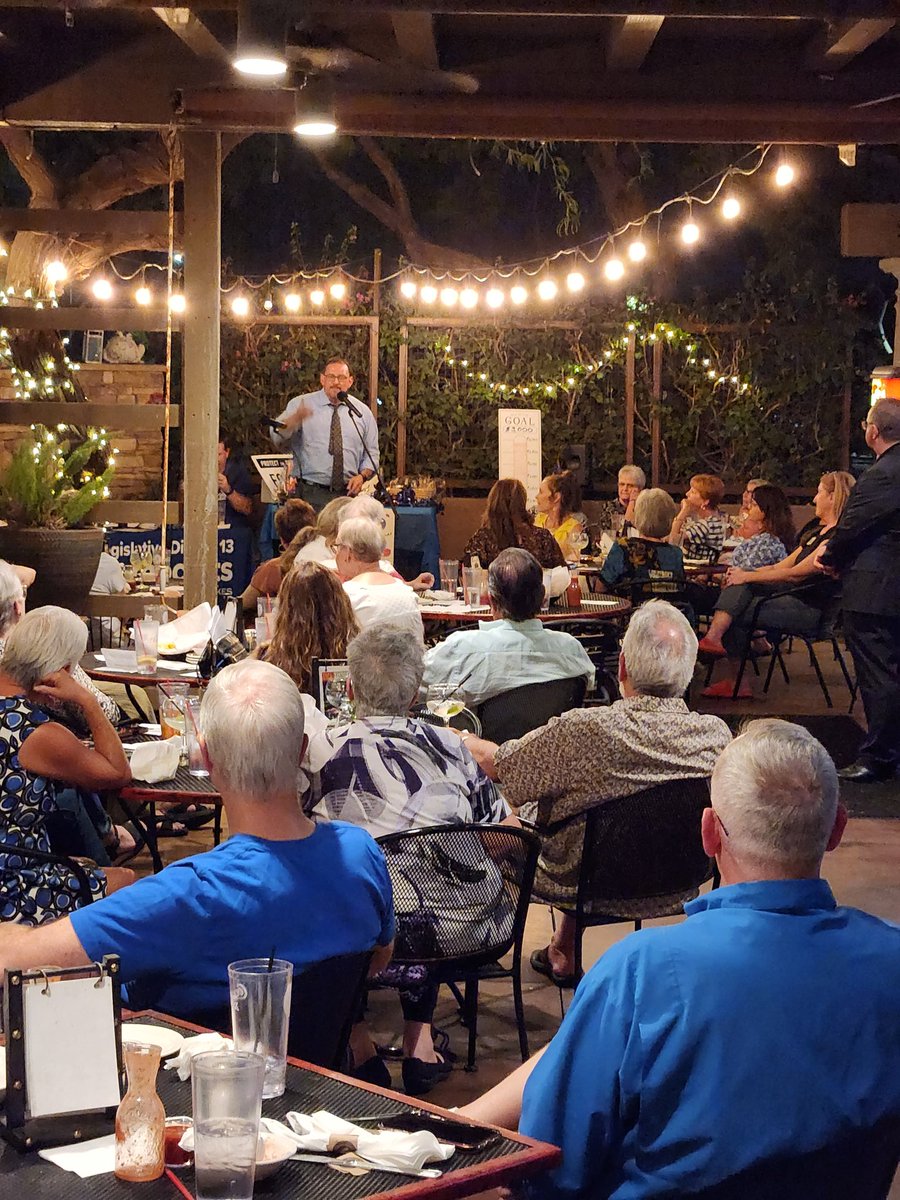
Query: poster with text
{"points": [[519, 431]]}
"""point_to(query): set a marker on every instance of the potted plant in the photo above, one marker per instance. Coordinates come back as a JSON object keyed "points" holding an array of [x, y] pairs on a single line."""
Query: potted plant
{"points": [[53, 481]]}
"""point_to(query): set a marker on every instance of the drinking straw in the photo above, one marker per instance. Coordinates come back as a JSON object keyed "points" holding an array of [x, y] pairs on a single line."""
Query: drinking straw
{"points": [[193, 719], [271, 965], [170, 1175], [140, 636]]}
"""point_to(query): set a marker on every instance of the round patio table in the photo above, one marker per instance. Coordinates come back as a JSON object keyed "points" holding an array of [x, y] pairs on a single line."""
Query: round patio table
{"points": [[592, 609]]}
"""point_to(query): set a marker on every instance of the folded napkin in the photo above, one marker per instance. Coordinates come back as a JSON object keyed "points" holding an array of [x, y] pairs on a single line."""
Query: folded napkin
{"points": [[320, 1132], [153, 762], [96, 1157], [274, 1141], [119, 660], [203, 1043]]}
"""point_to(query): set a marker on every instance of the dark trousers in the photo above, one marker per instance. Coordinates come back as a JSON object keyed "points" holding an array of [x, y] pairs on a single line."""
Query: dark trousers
{"points": [[315, 494], [874, 642]]}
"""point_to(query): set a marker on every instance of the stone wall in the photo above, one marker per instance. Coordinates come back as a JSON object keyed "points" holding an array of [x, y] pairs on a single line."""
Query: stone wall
{"points": [[139, 461]]}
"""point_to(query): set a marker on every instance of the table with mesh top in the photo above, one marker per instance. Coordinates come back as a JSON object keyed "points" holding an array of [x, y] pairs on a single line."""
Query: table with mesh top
{"points": [[308, 1089]]}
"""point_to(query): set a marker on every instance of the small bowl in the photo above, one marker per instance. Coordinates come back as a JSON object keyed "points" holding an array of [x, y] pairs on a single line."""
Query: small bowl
{"points": [[273, 1151], [176, 1158]]}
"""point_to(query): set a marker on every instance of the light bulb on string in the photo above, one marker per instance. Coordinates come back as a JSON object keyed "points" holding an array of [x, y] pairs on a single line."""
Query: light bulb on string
{"points": [[468, 297], [637, 251], [449, 297], [518, 294], [292, 302], [143, 296], [102, 289], [268, 304], [575, 281], [494, 298], [614, 269], [55, 272], [240, 306], [177, 303], [317, 297], [690, 232], [547, 289], [784, 175], [338, 291], [408, 289], [731, 208], [428, 294]]}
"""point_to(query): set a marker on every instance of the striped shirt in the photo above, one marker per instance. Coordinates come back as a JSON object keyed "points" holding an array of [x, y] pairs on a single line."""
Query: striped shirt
{"points": [[704, 539]]}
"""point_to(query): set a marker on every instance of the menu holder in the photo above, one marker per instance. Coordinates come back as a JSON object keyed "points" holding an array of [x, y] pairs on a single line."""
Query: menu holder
{"points": [[63, 1054]]}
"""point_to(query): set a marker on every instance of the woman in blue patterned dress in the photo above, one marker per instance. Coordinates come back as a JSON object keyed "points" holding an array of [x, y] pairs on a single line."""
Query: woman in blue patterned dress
{"points": [[775, 537], [37, 753]]}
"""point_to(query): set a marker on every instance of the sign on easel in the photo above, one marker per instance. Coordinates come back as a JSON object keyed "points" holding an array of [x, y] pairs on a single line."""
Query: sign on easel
{"points": [[519, 454], [274, 470]]}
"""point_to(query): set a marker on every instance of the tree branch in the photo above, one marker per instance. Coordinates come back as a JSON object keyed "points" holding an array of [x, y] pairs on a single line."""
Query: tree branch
{"points": [[391, 176], [36, 173], [122, 173]]}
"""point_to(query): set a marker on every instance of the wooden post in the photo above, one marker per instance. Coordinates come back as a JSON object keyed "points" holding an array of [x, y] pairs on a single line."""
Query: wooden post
{"points": [[200, 415], [629, 397], [374, 334], [402, 395], [655, 400]]}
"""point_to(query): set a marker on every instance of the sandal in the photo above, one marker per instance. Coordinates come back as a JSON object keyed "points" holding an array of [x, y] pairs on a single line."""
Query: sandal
{"points": [[191, 816], [540, 962], [167, 826]]}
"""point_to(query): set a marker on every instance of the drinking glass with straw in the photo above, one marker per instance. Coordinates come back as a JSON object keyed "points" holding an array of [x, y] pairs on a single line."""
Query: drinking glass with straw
{"points": [[196, 765], [260, 991], [146, 644]]}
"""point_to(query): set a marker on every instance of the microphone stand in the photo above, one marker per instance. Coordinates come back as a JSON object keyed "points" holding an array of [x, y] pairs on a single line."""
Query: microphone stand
{"points": [[354, 412]]}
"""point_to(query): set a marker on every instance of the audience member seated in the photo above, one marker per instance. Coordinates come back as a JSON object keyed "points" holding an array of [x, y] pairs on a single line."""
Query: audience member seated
{"points": [[558, 505], [586, 756], [513, 648], [774, 537], [738, 523], [375, 596], [314, 620], [316, 543], [740, 1011], [40, 759], [290, 518], [729, 630], [389, 772], [507, 522], [109, 581], [367, 506], [699, 527], [279, 880], [645, 563], [618, 514]]}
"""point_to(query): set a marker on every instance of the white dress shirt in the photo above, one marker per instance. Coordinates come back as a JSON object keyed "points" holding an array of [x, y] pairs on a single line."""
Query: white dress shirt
{"points": [[309, 441]]}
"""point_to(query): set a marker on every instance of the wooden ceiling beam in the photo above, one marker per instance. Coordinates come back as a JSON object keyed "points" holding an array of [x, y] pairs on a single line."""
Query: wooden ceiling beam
{"points": [[843, 41], [87, 223], [187, 26], [64, 317], [630, 42], [414, 32]]}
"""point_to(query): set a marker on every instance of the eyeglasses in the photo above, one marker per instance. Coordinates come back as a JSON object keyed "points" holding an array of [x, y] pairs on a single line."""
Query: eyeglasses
{"points": [[336, 378], [721, 823], [864, 424]]}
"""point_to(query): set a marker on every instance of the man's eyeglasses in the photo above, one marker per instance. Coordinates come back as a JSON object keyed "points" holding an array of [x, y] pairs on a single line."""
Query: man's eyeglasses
{"points": [[721, 823], [864, 424], [336, 378]]}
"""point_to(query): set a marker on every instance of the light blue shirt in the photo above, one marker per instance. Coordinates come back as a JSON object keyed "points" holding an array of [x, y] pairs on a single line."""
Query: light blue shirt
{"points": [[765, 1025], [503, 655], [309, 441]]}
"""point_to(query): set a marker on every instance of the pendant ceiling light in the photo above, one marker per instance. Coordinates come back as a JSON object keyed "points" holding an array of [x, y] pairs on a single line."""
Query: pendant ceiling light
{"points": [[261, 39], [314, 110]]}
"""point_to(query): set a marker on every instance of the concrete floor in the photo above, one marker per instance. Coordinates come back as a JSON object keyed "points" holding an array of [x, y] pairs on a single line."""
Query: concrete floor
{"points": [[863, 872]]}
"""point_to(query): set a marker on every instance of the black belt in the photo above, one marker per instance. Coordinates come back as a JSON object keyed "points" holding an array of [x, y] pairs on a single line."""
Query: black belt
{"points": [[323, 487]]}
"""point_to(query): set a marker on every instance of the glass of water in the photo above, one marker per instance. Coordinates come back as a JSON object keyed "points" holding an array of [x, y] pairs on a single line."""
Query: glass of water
{"points": [[260, 1014], [226, 1087]]}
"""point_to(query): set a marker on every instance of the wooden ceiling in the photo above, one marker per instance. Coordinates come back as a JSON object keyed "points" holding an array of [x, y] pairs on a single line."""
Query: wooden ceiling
{"points": [[659, 70]]}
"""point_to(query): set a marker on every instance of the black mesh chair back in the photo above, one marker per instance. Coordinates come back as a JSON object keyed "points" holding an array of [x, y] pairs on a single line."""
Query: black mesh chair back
{"points": [[326, 998], [14, 858], [461, 895], [518, 711], [861, 1164]]}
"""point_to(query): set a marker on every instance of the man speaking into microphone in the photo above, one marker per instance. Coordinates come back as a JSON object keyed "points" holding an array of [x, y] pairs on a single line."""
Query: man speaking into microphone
{"points": [[333, 438]]}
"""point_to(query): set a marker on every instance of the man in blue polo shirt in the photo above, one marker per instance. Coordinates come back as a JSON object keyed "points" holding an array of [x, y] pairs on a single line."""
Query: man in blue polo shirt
{"points": [[278, 883], [763, 1028]]}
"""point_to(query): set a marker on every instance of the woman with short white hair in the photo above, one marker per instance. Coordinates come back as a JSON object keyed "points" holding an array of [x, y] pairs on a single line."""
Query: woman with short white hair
{"points": [[374, 595], [38, 755]]}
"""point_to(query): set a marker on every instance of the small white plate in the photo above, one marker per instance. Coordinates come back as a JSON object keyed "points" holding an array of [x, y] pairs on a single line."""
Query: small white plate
{"points": [[169, 1041], [272, 1151]]}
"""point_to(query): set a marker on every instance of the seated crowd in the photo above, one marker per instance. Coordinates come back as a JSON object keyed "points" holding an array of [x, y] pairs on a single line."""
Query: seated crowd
{"points": [[730, 1012]]}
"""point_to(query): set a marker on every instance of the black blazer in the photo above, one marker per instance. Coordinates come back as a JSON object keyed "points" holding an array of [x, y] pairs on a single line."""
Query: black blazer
{"points": [[865, 546]]}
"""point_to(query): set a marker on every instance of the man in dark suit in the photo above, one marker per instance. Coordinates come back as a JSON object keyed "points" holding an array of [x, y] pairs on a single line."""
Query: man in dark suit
{"points": [[864, 551]]}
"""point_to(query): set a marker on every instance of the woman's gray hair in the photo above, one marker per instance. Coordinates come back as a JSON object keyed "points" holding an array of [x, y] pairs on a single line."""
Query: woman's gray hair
{"points": [[11, 595], [634, 474], [365, 506], [252, 722], [654, 512], [660, 650], [776, 790], [46, 639], [363, 538], [386, 666]]}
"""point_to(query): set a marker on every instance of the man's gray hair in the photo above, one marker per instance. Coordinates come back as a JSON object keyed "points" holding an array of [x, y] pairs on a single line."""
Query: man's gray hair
{"points": [[11, 595], [654, 512], [516, 584], [386, 666], [365, 506], [885, 416], [363, 538], [776, 791], [45, 640], [252, 721], [633, 474], [660, 650]]}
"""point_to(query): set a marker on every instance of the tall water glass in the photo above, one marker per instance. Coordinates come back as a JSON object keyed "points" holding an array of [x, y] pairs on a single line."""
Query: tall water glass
{"points": [[260, 1014], [146, 645], [449, 568], [226, 1086], [548, 583], [472, 585], [196, 765]]}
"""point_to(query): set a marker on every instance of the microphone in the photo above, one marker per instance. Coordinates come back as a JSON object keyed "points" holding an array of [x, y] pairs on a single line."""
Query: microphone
{"points": [[344, 398], [272, 423]]}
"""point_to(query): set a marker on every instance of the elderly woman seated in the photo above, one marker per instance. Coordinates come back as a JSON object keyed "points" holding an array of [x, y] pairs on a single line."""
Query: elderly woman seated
{"points": [[646, 564], [700, 528], [375, 596], [389, 772], [38, 756]]}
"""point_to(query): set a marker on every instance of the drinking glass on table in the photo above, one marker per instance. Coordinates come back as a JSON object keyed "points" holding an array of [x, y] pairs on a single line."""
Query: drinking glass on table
{"points": [[146, 644], [449, 568], [473, 585], [171, 712], [441, 700], [196, 765], [226, 1087], [260, 1014], [548, 583]]}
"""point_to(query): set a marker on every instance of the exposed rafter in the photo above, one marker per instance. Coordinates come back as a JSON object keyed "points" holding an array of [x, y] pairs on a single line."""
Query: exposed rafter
{"points": [[630, 42], [808, 10], [188, 26], [414, 32], [843, 41]]}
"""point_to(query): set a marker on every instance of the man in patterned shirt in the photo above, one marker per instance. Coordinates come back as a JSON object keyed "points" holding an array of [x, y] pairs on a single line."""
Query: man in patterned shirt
{"points": [[590, 755]]}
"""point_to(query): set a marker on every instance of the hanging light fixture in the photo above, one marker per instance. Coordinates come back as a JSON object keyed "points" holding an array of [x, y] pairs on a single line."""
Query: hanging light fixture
{"points": [[314, 110], [260, 39]]}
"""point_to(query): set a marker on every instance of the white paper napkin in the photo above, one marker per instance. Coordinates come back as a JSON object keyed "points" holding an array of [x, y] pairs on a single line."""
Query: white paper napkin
{"points": [[201, 1044], [154, 762], [96, 1157], [318, 1132]]}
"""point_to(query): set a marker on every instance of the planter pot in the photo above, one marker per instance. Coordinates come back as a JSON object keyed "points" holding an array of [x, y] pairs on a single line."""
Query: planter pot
{"points": [[66, 562]]}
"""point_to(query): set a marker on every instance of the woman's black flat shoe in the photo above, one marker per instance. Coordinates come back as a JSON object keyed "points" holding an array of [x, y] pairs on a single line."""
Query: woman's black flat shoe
{"points": [[420, 1077]]}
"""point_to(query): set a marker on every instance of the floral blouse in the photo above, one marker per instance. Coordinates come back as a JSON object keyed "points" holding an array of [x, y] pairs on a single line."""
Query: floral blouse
{"points": [[762, 550], [539, 542]]}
